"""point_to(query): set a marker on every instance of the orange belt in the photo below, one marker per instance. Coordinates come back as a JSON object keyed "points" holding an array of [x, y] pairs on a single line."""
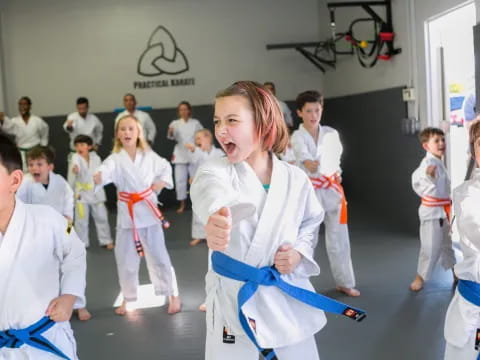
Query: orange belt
{"points": [[327, 182], [133, 198], [431, 201]]}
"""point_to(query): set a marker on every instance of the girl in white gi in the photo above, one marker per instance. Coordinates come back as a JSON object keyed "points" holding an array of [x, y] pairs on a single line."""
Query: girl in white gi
{"points": [[84, 164], [318, 151], [183, 132], [42, 272], [462, 324], [201, 151], [148, 126], [431, 182], [82, 122], [262, 212], [29, 130], [139, 175]]}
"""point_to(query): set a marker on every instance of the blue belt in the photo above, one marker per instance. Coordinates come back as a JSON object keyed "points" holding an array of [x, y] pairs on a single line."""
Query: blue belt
{"points": [[31, 336], [269, 276], [470, 291]]}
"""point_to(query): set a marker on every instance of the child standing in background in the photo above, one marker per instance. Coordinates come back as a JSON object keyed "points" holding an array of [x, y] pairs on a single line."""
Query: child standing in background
{"points": [[431, 182], [84, 164], [139, 175]]}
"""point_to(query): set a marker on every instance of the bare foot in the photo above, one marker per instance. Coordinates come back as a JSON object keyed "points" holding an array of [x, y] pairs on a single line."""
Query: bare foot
{"points": [[181, 208], [110, 246], [349, 291], [174, 304], [417, 284], [122, 309], [195, 242], [83, 314], [203, 307]]}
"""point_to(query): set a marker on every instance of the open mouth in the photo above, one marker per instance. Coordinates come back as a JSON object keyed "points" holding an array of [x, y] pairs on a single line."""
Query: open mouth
{"points": [[36, 176], [229, 147]]}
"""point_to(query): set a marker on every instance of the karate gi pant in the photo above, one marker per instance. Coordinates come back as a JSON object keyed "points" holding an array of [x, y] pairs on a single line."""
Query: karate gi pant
{"points": [[435, 246], [100, 217], [337, 242], [182, 174], [159, 267], [467, 352], [244, 349], [198, 229]]}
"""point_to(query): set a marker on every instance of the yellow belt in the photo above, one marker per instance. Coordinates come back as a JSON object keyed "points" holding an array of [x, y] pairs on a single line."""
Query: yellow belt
{"points": [[78, 188]]}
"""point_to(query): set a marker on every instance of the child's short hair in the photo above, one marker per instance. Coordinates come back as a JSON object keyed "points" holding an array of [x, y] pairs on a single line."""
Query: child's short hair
{"points": [[206, 132], [42, 152], [268, 115], [83, 139], [474, 135], [428, 132], [309, 96], [10, 157], [141, 142]]}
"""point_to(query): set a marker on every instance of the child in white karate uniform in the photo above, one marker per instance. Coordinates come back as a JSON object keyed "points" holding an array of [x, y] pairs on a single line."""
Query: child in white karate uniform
{"points": [[42, 271], [84, 164], [318, 152], [139, 175], [431, 182], [242, 198], [202, 151], [43, 186], [462, 323]]}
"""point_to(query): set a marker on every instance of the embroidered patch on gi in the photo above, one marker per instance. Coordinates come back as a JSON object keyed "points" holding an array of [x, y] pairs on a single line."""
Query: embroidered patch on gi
{"points": [[228, 338], [441, 222], [477, 340], [253, 324], [69, 228]]}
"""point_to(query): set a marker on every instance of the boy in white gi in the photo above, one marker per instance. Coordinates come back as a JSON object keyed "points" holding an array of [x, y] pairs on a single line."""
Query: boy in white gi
{"points": [[318, 151], [149, 128], [202, 151], [42, 272], [462, 324], [84, 164], [82, 122], [431, 182], [242, 198], [43, 186], [29, 130], [183, 132], [139, 175]]}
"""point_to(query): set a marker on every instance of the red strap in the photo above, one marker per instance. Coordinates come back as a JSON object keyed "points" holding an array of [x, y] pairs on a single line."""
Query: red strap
{"points": [[133, 198], [386, 36], [326, 182], [384, 57]]}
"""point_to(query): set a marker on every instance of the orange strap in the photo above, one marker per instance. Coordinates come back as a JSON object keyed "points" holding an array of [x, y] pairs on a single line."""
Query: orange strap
{"points": [[133, 198], [327, 182], [431, 201]]}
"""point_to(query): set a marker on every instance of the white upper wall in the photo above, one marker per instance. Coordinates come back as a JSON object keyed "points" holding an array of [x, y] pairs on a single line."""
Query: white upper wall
{"points": [[57, 50], [350, 78]]}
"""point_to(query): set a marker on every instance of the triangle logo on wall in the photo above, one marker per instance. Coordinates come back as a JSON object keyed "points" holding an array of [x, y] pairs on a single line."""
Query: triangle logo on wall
{"points": [[162, 55]]}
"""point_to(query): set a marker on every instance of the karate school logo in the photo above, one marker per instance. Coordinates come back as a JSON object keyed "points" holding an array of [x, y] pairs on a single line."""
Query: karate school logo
{"points": [[162, 55]]}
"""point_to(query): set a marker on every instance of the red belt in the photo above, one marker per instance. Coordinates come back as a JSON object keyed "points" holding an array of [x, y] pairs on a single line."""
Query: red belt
{"points": [[431, 201], [133, 198], [327, 182]]}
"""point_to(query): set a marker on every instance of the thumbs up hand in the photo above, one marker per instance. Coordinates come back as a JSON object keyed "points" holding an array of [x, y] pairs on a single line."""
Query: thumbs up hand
{"points": [[218, 229]]}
